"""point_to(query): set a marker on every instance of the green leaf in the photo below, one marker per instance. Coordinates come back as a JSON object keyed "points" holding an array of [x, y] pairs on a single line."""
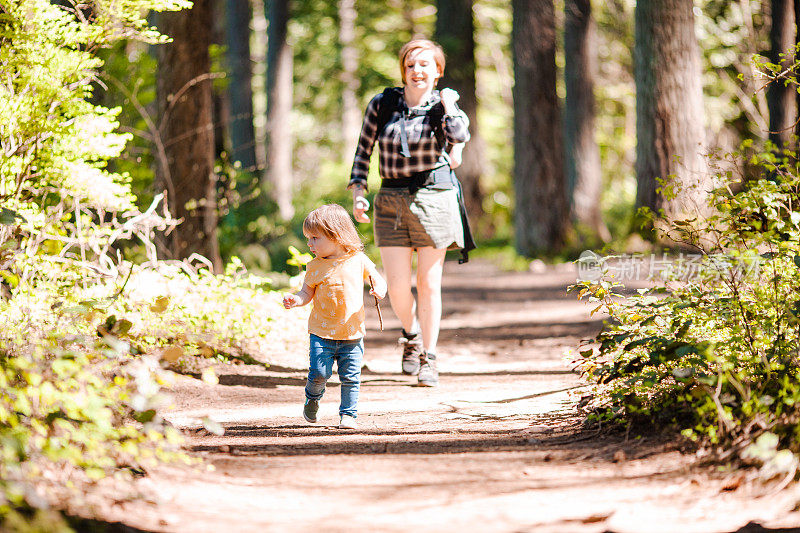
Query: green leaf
{"points": [[122, 327], [145, 416], [10, 278], [9, 217], [160, 305]]}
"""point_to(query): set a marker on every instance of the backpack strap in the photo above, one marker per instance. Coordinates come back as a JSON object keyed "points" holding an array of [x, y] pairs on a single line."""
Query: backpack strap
{"points": [[435, 116], [390, 102]]}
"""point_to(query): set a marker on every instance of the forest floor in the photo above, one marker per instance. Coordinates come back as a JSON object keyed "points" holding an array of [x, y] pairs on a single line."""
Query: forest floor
{"points": [[498, 446]]}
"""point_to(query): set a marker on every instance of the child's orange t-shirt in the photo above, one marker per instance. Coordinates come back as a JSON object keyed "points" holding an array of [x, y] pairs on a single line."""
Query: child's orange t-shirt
{"points": [[338, 310]]}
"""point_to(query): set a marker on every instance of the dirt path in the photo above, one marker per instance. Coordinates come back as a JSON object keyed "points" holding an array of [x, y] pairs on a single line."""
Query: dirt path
{"points": [[498, 446]]}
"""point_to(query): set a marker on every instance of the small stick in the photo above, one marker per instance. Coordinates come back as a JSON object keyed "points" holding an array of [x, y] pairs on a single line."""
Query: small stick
{"points": [[378, 307]]}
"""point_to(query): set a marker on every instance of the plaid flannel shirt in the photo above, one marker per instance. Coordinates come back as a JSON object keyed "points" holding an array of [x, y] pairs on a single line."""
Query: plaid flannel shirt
{"points": [[425, 153]]}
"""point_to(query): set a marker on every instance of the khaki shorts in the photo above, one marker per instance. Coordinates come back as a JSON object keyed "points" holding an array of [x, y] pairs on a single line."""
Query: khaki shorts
{"points": [[430, 217]]}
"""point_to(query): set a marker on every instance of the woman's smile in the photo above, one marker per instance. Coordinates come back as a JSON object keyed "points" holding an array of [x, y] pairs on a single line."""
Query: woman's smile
{"points": [[421, 71]]}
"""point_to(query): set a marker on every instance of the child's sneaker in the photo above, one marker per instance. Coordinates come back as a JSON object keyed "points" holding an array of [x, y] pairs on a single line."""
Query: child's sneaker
{"points": [[412, 349], [310, 410], [348, 422], [428, 375]]}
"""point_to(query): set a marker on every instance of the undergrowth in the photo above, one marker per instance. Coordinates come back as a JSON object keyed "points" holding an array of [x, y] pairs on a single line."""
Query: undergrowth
{"points": [[711, 347], [86, 365]]}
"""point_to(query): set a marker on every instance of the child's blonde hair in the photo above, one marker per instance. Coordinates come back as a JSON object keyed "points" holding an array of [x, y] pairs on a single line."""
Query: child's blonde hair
{"points": [[333, 221]]}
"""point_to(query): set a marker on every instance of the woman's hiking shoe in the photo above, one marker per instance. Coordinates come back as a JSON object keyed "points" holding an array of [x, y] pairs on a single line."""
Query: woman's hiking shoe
{"points": [[310, 410], [412, 350], [428, 375], [348, 422]]}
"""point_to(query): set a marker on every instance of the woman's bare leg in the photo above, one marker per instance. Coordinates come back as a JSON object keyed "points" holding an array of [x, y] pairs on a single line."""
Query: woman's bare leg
{"points": [[397, 267], [430, 262]]}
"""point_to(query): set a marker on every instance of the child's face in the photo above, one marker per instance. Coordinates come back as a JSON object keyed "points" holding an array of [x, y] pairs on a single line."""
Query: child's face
{"points": [[322, 246]]}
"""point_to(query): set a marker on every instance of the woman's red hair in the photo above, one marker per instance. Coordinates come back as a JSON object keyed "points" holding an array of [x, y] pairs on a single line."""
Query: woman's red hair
{"points": [[421, 44]]}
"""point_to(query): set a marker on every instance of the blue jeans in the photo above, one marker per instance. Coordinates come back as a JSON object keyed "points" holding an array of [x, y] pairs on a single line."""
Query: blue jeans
{"points": [[348, 355]]}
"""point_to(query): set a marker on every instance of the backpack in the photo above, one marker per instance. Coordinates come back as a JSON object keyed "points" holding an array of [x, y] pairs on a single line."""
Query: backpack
{"points": [[388, 104]]}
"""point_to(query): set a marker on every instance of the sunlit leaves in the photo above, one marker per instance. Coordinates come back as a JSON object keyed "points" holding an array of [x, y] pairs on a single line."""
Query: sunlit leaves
{"points": [[160, 305], [172, 353], [713, 353]]}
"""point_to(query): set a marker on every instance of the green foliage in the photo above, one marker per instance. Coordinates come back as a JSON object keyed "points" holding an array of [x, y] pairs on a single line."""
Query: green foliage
{"points": [[55, 140], [713, 346], [128, 74], [77, 399], [730, 34], [83, 369], [71, 400], [494, 80], [615, 95], [216, 317], [54, 180]]}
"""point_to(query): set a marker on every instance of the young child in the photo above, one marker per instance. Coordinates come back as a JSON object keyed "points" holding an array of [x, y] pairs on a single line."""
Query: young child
{"points": [[335, 282]]}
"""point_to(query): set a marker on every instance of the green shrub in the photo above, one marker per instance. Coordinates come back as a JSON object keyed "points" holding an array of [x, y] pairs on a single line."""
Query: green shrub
{"points": [[72, 402], [712, 346]]}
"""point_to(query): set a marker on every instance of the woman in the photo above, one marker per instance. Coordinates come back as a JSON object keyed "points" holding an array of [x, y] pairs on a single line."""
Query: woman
{"points": [[417, 207]]}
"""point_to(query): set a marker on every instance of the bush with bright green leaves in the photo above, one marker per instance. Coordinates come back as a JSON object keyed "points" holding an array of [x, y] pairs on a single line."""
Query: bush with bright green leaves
{"points": [[85, 368], [56, 192], [712, 346], [72, 403], [75, 403]]}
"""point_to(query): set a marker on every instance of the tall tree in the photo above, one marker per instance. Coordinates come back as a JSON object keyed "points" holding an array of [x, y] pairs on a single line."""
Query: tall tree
{"points": [[541, 212], [780, 95], [455, 32], [351, 113], [279, 107], [669, 108], [797, 58], [221, 109], [186, 167], [582, 155], [240, 90]]}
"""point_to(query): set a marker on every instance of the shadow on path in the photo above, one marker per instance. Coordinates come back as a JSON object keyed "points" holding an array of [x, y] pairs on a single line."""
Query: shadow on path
{"points": [[755, 527]]}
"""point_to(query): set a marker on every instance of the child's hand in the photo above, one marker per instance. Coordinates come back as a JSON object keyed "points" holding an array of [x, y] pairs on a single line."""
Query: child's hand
{"points": [[290, 300], [378, 290]]}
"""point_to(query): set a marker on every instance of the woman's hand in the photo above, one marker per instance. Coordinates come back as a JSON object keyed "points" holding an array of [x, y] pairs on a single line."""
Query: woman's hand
{"points": [[449, 99], [455, 155], [360, 205]]}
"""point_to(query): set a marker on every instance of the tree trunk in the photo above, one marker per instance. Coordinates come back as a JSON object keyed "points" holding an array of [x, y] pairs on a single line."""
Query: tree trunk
{"points": [[455, 32], [780, 95], [541, 204], [279, 108], [351, 112], [221, 109], [582, 155], [797, 58], [186, 172], [240, 90], [669, 108]]}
